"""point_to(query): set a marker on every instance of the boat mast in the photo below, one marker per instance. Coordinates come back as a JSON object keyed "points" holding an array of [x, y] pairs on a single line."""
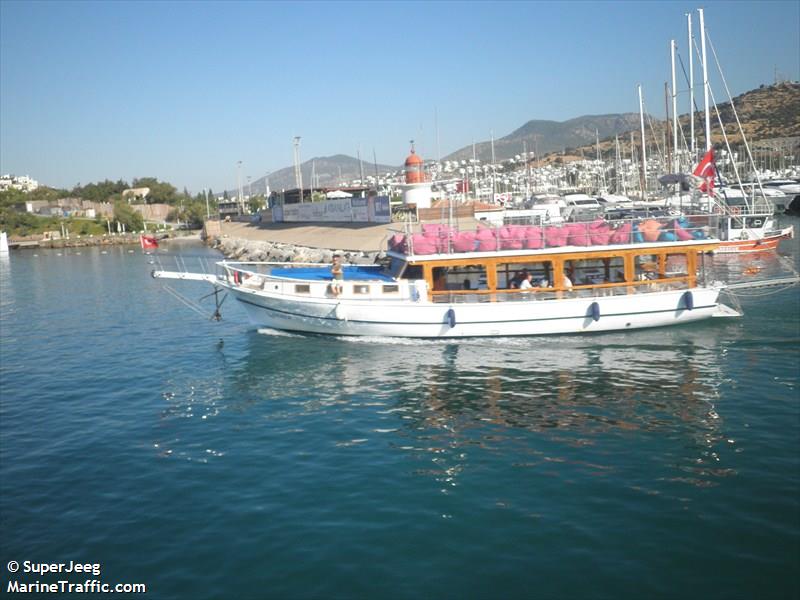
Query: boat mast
{"points": [[675, 166], [494, 191], [644, 151], [620, 180], [705, 78], [692, 148], [527, 170]]}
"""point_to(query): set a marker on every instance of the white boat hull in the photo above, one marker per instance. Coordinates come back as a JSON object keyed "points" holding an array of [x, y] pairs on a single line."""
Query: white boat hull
{"points": [[516, 318]]}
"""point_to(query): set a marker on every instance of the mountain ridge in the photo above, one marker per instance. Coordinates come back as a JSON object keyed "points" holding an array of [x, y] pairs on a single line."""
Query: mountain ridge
{"points": [[767, 112]]}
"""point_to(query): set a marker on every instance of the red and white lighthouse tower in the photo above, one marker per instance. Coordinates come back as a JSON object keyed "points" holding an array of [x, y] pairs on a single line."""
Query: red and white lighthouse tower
{"points": [[417, 188]]}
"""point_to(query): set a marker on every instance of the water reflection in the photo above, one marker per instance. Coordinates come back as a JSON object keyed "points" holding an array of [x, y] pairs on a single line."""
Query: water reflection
{"points": [[540, 406], [587, 403]]}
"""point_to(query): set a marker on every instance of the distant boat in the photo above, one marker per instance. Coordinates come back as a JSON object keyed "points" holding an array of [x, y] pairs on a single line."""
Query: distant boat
{"points": [[3, 243]]}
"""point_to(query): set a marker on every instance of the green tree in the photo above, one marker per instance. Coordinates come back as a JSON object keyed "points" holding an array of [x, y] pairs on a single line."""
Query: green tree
{"points": [[160, 192], [127, 216], [255, 203], [101, 191], [10, 198]]}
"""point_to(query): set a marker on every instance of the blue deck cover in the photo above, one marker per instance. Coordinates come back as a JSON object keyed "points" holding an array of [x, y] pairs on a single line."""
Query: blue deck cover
{"points": [[351, 273]]}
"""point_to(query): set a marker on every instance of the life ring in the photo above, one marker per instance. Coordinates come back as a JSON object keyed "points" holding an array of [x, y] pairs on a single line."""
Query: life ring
{"points": [[735, 210]]}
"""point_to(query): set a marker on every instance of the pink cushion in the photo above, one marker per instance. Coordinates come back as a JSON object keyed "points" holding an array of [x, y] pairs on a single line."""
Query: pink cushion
{"points": [[485, 234], [534, 238], [555, 236], [650, 230], [464, 241], [600, 234], [423, 244], [518, 231], [511, 244], [398, 242], [622, 235], [487, 245], [682, 234], [579, 235]]}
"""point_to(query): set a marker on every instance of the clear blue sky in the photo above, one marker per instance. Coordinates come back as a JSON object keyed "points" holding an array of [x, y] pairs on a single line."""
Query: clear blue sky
{"points": [[182, 91]]}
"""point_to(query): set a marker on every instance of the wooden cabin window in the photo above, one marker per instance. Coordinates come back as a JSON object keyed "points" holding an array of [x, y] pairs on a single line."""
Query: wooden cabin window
{"points": [[302, 288], [412, 272], [510, 273], [361, 289], [462, 277], [595, 271], [391, 289], [676, 265]]}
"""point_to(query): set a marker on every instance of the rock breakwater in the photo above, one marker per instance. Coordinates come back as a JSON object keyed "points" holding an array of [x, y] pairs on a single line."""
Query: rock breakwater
{"points": [[249, 250]]}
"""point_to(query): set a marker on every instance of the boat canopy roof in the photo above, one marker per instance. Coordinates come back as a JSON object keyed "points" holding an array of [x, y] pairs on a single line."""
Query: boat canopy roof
{"points": [[351, 273]]}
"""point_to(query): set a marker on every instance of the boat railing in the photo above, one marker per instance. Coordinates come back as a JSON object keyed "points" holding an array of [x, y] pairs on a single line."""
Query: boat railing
{"points": [[435, 238], [622, 288]]}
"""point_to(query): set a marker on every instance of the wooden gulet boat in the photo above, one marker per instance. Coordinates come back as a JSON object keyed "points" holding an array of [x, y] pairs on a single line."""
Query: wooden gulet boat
{"points": [[451, 294]]}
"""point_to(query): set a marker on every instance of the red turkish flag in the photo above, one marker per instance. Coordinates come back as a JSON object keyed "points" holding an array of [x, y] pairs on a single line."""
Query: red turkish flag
{"points": [[147, 242], [707, 169]]}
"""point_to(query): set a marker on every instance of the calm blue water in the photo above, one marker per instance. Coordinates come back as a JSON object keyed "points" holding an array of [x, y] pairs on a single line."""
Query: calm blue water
{"points": [[208, 460]]}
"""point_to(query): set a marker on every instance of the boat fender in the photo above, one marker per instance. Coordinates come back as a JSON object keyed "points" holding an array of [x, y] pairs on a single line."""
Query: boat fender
{"points": [[594, 310], [688, 300], [451, 317]]}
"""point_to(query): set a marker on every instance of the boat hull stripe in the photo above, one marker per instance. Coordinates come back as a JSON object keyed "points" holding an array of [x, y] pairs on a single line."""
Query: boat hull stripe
{"points": [[411, 323]]}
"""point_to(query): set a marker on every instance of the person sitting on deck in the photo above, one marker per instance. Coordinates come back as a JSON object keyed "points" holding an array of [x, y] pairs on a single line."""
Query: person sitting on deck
{"points": [[526, 283], [337, 271], [517, 280]]}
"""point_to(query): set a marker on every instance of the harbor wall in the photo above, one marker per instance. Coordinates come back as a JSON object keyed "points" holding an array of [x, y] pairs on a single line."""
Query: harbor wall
{"points": [[249, 250]]}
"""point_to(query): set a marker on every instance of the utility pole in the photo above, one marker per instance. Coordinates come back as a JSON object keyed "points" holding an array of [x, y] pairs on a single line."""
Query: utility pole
{"points": [[239, 185]]}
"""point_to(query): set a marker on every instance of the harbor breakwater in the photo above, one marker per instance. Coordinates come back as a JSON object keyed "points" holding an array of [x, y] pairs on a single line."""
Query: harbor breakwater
{"points": [[250, 250], [85, 241]]}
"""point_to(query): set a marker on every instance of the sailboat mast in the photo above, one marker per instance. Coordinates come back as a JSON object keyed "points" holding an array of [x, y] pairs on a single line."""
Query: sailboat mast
{"points": [[494, 190], [692, 147], [644, 151], [705, 78], [675, 166]]}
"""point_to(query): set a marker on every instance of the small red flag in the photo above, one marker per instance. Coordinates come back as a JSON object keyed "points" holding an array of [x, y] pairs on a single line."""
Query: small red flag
{"points": [[148, 242], [707, 169]]}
